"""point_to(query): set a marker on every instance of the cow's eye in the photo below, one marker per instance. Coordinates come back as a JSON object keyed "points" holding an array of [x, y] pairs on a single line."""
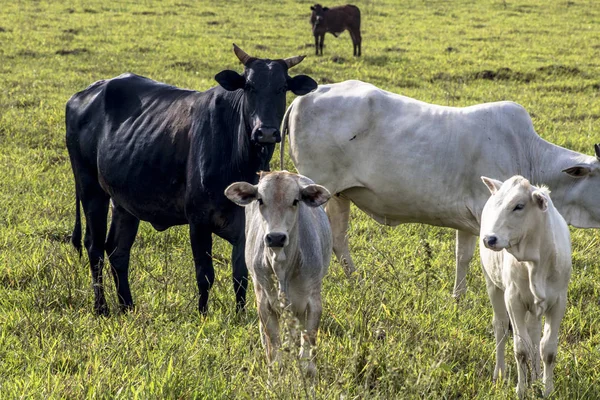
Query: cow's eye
{"points": [[260, 201], [519, 207], [295, 203]]}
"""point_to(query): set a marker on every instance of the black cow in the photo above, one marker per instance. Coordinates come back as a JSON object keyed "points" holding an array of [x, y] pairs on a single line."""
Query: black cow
{"points": [[165, 155], [336, 20]]}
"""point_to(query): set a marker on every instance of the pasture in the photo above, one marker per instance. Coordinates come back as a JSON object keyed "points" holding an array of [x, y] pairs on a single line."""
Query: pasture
{"points": [[397, 333]]}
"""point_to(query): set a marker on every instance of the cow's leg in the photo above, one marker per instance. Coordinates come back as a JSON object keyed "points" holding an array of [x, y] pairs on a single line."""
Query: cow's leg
{"points": [[316, 44], [500, 323], [358, 42], [356, 39], [322, 40], [534, 328], [465, 247], [95, 207], [240, 274], [309, 334], [338, 211], [201, 239], [123, 229], [522, 342], [549, 345]]}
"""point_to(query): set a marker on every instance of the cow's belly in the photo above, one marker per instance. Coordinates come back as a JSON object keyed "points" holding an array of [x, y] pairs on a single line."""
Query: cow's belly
{"points": [[392, 210]]}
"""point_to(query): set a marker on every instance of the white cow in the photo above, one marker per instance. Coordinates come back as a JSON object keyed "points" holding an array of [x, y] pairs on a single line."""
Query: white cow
{"points": [[402, 160], [288, 249], [526, 254]]}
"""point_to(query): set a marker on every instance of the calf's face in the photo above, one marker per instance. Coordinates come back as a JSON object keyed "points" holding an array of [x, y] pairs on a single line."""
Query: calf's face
{"points": [[513, 210], [279, 196], [318, 16]]}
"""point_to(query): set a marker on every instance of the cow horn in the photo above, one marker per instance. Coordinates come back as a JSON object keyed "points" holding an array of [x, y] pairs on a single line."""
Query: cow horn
{"points": [[241, 54], [597, 148], [290, 62]]}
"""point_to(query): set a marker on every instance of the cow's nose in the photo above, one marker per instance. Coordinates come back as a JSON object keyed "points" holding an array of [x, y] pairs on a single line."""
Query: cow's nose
{"points": [[275, 239], [490, 241], [266, 135]]}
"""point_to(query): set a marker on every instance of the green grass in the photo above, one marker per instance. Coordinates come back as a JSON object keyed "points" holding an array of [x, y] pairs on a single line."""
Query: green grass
{"points": [[543, 55]]}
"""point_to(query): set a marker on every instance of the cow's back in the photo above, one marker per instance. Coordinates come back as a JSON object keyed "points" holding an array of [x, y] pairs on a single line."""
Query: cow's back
{"points": [[403, 160]]}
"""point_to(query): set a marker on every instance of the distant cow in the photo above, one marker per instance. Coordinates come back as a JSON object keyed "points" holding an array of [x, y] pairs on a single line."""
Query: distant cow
{"points": [[165, 155], [526, 254], [288, 248], [336, 20], [401, 160]]}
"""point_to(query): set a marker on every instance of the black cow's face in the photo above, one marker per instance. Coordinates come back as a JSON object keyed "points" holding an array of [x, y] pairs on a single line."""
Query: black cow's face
{"points": [[318, 14], [265, 83]]}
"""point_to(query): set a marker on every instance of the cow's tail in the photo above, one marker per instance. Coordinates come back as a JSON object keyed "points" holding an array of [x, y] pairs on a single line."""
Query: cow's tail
{"points": [[284, 129], [76, 237]]}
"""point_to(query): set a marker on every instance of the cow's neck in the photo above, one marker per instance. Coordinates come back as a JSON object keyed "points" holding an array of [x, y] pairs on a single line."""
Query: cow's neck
{"points": [[246, 158], [547, 163]]}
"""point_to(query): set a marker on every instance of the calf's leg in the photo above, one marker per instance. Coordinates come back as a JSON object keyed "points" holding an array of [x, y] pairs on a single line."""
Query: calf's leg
{"points": [[201, 239], [338, 211], [500, 322], [522, 341], [269, 325], [549, 343], [309, 334], [534, 328], [123, 229], [322, 40], [465, 247], [316, 44]]}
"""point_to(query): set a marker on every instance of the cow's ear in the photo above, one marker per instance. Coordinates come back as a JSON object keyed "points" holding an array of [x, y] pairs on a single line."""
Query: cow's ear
{"points": [[492, 184], [325, 8], [314, 195], [578, 171], [540, 198], [230, 80], [241, 193], [301, 84]]}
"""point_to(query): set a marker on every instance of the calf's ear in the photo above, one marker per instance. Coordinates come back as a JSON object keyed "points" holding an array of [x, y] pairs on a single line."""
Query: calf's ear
{"points": [[325, 8], [301, 84], [312, 8], [314, 195], [578, 170], [540, 198], [241, 193], [492, 184], [230, 80]]}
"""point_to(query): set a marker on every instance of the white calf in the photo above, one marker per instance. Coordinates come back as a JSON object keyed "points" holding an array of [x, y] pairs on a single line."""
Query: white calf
{"points": [[288, 248], [526, 255]]}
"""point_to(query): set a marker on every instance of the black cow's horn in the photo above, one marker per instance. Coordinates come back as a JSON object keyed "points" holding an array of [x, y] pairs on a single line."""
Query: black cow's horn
{"points": [[597, 148], [290, 62], [241, 54]]}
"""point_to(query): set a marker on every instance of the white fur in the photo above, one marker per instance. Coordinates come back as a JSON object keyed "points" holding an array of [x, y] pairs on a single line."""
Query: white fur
{"points": [[527, 271], [295, 271], [401, 160]]}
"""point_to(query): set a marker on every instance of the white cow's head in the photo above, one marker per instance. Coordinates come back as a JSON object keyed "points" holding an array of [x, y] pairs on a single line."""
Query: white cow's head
{"points": [[514, 210], [577, 197], [279, 196]]}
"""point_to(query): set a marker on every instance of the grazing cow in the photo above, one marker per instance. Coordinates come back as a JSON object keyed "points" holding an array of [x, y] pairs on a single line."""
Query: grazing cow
{"points": [[164, 155], [392, 156], [526, 254], [288, 248], [336, 20]]}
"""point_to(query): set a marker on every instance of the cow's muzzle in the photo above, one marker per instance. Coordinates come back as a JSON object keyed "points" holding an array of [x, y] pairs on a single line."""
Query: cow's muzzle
{"points": [[490, 241], [276, 239], [266, 135]]}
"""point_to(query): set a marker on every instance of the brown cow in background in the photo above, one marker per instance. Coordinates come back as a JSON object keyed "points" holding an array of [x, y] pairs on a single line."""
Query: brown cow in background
{"points": [[336, 20]]}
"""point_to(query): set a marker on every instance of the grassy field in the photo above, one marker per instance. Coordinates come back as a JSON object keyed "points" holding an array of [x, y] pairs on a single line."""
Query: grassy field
{"points": [[541, 54]]}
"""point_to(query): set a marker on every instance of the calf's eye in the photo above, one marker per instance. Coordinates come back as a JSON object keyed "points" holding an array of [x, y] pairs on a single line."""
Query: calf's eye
{"points": [[295, 203], [260, 201], [519, 207]]}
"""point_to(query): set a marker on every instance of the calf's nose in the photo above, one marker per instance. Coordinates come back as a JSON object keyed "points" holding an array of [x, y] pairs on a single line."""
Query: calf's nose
{"points": [[490, 241], [265, 134], [275, 239]]}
